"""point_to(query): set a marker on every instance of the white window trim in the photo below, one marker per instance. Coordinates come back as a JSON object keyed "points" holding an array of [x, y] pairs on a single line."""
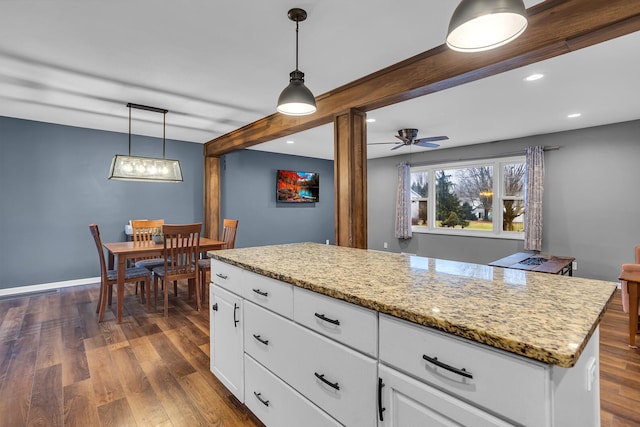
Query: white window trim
{"points": [[496, 207]]}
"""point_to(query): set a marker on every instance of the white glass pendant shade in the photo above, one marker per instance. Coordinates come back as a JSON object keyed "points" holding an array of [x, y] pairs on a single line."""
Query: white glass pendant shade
{"points": [[478, 25], [134, 168], [296, 99]]}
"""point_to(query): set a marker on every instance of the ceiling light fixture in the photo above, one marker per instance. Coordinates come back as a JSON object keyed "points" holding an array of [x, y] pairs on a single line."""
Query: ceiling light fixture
{"points": [[149, 169], [296, 99], [478, 25], [290, 141], [371, 120], [534, 77], [574, 115]]}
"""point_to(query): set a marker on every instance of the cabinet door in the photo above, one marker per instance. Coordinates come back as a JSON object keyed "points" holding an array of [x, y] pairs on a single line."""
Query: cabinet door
{"points": [[226, 339], [406, 402]]}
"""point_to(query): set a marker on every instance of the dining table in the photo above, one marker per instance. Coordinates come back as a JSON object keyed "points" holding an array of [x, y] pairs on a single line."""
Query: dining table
{"points": [[120, 252]]}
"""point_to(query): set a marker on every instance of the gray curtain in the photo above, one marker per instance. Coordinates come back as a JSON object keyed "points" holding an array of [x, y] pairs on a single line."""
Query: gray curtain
{"points": [[403, 202], [534, 187]]}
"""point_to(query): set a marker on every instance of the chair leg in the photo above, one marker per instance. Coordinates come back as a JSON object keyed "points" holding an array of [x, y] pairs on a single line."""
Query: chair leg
{"points": [[155, 291], [148, 284], [103, 301], [197, 286], [166, 301], [142, 289]]}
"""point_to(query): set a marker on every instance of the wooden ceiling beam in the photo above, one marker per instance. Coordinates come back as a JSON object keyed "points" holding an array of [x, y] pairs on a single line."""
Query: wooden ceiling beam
{"points": [[555, 27]]}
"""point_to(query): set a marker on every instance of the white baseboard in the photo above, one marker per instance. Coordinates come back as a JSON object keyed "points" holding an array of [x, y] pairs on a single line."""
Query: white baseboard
{"points": [[47, 286]]}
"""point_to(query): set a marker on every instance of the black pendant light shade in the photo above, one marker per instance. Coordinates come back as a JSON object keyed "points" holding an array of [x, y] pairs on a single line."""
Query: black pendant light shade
{"points": [[478, 25], [296, 99]]}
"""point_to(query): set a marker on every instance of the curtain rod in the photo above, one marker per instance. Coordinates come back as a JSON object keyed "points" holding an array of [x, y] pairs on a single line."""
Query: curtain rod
{"points": [[495, 156]]}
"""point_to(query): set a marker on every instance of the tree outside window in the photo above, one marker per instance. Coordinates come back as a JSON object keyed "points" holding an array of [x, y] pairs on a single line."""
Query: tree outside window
{"points": [[513, 197], [419, 198]]}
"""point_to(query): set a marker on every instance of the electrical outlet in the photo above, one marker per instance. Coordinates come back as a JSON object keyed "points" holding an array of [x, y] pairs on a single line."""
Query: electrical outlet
{"points": [[592, 369], [385, 245], [574, 265], [327, 241]]}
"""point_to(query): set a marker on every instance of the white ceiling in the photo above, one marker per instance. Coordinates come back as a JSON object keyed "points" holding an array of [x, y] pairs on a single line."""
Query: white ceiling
{"points": [[217, 66]]}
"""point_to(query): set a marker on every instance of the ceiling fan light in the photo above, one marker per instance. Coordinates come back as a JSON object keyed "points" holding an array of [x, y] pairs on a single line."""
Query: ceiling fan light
{"points": [[296, 99], [478, 25]]}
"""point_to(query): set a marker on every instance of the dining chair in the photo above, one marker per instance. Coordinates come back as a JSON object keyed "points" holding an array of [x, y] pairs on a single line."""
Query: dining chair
{"points": [[229, 230], [108, 278], [629, 267], [181, 252]]}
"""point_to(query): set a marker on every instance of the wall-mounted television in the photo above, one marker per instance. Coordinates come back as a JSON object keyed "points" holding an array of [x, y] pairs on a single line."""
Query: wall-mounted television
{"points": [[297, 187]]}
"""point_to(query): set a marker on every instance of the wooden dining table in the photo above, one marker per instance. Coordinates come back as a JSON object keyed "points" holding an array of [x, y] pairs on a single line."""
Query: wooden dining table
{"points": [[120, 252]]}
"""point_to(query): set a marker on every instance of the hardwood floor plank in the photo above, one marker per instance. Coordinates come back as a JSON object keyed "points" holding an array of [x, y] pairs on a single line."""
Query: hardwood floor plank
{"points": [[50, 350], [178, 365], [80, 408], [22, 367], [12, 322], [47, 408], [129, 371], [117, 414], [175, 400], [144, 350], [106, 387], [74, 358]]}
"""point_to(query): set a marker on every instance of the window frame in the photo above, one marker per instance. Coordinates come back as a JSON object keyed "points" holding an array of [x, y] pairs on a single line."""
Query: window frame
{"points": [[497, 205]]}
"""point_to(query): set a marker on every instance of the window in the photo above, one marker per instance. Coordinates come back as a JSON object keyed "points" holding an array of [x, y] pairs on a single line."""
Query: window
{"points": [[482, 198]]}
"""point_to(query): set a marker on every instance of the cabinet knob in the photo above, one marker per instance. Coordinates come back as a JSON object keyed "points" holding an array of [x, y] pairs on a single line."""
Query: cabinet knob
{"points": [[214, 307]]}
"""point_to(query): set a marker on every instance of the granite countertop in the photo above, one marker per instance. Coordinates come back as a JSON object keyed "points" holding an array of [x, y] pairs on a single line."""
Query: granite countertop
{"points": [[545, 317]]}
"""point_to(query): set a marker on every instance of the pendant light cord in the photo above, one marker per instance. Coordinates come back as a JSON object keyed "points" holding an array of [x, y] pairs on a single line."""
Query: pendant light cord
{"points": [[297, 23], [129, 129], [164, 125]]}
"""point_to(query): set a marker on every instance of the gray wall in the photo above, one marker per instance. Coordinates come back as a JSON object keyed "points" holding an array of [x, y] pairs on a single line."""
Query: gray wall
{"points": [[53, 184], [248, 194], [591, 208]]}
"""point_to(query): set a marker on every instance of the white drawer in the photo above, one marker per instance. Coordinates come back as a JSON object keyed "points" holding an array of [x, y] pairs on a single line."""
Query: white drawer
{"points": [[278, 405], [347, 323], [269, 293], [501, 382], [226, 276], [300, 357], [269, 338]]}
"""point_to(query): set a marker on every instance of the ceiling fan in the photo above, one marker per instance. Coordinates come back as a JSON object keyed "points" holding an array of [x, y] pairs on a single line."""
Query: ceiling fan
{"points": [[408, 137]]}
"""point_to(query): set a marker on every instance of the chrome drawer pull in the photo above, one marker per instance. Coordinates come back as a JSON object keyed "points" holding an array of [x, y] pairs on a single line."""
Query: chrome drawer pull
{"points": [[327, 382], [259, 292], [265, 342], [264, 402], [222, 276], [462, 372], [326, 319]]}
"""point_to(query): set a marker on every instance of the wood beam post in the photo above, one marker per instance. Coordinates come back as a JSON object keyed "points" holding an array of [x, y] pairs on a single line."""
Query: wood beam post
{"points": [[212, 197], [350, 179]]}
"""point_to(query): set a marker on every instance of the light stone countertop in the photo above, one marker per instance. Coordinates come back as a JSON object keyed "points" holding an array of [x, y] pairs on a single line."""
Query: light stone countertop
{"points": [[545, 317]]}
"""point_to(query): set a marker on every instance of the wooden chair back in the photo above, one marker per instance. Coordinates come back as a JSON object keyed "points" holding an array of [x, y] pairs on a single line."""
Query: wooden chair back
{"points": [[229, 230], [95, 232], [181, 251], [144, 229]]}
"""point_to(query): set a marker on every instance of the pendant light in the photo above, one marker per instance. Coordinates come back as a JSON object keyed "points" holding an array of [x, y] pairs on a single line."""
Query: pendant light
{"points": [[478, 25], [296, 99], [149, 169]]}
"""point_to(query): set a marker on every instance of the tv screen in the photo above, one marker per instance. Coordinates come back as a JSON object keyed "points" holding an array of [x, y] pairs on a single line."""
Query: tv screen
{"points": [[298, 187]]}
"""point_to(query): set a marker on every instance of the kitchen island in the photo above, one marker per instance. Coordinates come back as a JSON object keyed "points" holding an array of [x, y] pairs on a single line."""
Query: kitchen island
{"points": [[499, 346]]}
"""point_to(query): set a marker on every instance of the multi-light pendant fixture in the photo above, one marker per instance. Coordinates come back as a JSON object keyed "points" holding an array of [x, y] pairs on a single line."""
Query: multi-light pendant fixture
{"points": [[148, 169]]}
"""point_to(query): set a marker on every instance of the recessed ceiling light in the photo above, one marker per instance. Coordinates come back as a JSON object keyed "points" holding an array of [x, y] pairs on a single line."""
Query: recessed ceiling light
{"points": [[290, 142], [534, 77], [574, 115], [371, 120]]}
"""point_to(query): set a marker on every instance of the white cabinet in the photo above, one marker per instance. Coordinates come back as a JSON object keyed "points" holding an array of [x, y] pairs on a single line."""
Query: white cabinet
{"points": [[406, 402], [226, 339]]}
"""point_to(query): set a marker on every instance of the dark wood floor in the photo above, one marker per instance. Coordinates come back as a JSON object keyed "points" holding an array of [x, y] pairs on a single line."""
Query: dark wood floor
{"points": [[58, 366]]}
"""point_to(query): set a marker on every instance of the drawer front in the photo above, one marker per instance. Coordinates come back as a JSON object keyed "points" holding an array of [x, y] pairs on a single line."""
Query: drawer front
{"points": [[303, 359], [226, 276], [278, 405], [272, 294], [500, 382], [347, 323], [406, 402], [339, 380], [269, 338]]}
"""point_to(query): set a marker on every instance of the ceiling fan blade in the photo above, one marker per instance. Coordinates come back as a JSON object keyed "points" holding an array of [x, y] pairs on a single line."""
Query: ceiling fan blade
{"points": [[427, 144], [398, 146], [403, 139], [431, 139], [382, 143]]}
